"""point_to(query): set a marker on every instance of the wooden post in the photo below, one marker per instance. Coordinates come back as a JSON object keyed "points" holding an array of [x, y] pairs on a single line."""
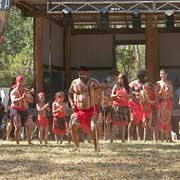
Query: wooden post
{"points": [[38, 43], [152, 48], [67, 55]]}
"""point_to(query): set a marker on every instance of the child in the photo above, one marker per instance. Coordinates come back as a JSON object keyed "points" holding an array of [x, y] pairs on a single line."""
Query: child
{"points": [[2, 111], [104, 118], [42, 120], [149, 107], [120, 109], [136, 113], [59, 113]]}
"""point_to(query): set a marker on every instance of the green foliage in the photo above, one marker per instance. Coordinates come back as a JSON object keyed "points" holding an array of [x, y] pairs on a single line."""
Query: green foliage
{"points": [[16, 52], [127, 60]]}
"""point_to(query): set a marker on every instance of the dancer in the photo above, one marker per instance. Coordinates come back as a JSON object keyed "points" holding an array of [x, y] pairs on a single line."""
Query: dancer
{"points": [[164, 92], [59, 113], [120, 109], [20, 97], [85, 104], [135, 87], [42, 120]]}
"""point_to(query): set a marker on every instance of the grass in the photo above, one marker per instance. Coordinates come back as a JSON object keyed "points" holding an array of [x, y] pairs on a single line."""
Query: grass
{"points": [[116, 161]]}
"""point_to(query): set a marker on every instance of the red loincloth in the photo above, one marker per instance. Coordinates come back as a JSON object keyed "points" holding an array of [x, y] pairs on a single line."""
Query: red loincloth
{"points": [[84, 116]]}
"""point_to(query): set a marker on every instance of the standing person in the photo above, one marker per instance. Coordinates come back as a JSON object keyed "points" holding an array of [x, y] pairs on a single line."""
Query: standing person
{"points": [[2, 111], [165, 91], [149, 100], [84, 102], [104, 119], [9, 126], [20, 97], [42, 120], [59, 113], [120, 109], [135, 87]]}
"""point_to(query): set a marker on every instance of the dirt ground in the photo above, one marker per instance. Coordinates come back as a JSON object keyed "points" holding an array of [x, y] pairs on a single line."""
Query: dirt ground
{"points": [[116, 161]]}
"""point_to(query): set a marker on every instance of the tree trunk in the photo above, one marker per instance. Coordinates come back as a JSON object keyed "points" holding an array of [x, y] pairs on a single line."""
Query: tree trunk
{"points": [[138, 56]]}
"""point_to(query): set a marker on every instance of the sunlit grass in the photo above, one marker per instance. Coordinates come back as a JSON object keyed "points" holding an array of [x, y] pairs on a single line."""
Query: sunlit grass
{"points": [[115, 161]]}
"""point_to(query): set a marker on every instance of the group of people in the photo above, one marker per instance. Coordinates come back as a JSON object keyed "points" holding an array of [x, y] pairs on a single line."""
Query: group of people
{"points": [[97, 109]]}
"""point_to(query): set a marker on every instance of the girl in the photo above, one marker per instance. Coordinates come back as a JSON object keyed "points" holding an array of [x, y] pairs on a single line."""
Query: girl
{"points": [[42, 120], [149, 107], [59, 113], [164, 92], [120, 110]]}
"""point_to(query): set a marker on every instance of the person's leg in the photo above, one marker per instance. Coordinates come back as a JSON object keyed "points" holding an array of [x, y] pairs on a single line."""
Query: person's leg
{"points": [[100, 130], [29, 129], [61, 138], [112, 133], [9, 128], [108, 126], [108, 130], [123, 130], [17, 126], [167, 136], [57, 138], [129, 130], [94, 135], [161, 136], [40, 134], [100, 122], [137, 132], [154, 134], [145, 131], [46, 135], [75, 136]]}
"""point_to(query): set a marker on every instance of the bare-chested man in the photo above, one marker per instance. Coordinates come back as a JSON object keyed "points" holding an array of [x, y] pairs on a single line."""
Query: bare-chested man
{"points": [[84, 102], [20, 97]]}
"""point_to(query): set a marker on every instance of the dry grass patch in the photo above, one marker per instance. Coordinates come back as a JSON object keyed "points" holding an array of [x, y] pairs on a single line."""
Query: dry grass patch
{"points": [[115, 161]]}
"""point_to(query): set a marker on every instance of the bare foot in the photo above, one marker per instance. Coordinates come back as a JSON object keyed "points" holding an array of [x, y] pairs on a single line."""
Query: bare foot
{"points": [[17, 142], [97, 149], [76, 149], [30, 143]]}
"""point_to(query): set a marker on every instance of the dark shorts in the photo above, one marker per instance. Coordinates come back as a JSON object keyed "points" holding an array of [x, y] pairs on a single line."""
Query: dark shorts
{"points": [[22, 114]]}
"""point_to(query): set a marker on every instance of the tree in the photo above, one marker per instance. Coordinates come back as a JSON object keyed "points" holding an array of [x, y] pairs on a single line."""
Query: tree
{"points": [[130, 58], [16, 52]]}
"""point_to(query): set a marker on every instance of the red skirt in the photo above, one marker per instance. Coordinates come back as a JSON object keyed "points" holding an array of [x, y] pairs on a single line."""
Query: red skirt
{"points": [[59, 126], [42, 122], [137, 112], [164, 115]]}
